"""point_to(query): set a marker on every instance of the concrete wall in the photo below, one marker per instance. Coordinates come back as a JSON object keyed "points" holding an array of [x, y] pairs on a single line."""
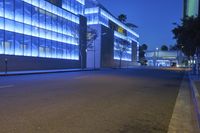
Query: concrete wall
{"points": [[16, 63], [83, 40], [94, 52], [107, 49]]}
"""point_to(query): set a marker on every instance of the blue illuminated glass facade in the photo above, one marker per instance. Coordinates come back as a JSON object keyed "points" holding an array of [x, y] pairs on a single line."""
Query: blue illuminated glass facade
{"points": [[39, 28], [97, 14]]}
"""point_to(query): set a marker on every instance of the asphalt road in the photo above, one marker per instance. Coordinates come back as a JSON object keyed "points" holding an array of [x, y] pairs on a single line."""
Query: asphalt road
{"points": [[106, 101]]}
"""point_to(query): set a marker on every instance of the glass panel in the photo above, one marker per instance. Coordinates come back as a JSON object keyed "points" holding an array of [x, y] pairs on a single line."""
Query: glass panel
{"points": [[35, 3], [19, 10], [48, 7], [19, 27], [9, 25], [64, 51], [35, 16], [35, 44], [42, 46], [42, 18], [19, 42], [48, 48], [35, 31], [68, 47], [1, 8], [9, 9], [27, 13], [1, 23], [42, 33], [59, 51], [54, 46], [48, 20], [27, 45], [9, 42], [42, 4], [27, 29], [1, 42]]}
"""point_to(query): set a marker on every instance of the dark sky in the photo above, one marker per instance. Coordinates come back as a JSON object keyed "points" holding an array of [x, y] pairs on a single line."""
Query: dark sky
{"points": [[153, 17]]}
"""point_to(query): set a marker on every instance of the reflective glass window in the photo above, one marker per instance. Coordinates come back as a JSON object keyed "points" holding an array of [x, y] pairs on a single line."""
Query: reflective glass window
{"points": [[1, 42], [42, 33], [9, 43], [48, 48], [35, 16], [48, 6], [27, 13], [19, 28], [9, 25], [48, 34], [54, 36], [35, 31], [64, 51], [54, 23], [42, 4], [1, 8], [28, 1], [35, 46], [60, 24], [27, 45], [27, 29], [42, 18], [59, 50], [1, 23], [48, 20], [9, 9], [19, 42], [19, 10], [53, 50], [42, 46], [68, 48], [35, 3]]}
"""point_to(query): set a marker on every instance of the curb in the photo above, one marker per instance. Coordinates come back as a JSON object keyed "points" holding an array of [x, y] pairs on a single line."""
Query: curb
{"points": [[45, 72], [195, 99]]}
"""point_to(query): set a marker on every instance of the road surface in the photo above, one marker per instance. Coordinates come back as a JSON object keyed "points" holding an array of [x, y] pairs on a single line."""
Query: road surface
{"points": [[106, 101]]}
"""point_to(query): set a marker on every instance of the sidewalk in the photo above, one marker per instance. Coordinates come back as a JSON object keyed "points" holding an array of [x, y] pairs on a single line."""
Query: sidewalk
{"points": [[184, 118], [195, 96], [13, 73]]}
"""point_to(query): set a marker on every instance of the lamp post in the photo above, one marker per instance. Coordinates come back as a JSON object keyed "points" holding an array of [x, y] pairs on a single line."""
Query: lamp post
{"points": [[157, 56]]}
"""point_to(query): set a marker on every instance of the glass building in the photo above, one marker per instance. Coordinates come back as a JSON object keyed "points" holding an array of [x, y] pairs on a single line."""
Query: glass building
{"points": [[191, 8], [97, 15], [41, 28]]}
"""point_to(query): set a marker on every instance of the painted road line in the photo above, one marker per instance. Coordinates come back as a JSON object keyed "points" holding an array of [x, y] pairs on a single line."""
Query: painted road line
{"points": [[6, 86]]}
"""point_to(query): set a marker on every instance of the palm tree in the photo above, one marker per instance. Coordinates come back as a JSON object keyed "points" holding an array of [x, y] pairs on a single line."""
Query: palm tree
{"points": [[122, 18]]}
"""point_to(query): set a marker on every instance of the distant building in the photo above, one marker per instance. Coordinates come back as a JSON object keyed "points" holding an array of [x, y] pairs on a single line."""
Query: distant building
{"points": [[191, 8], [159, 58], [111, 32]]}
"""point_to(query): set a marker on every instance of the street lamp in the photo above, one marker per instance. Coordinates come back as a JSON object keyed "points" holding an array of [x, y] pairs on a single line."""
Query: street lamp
{"points": [[157, 56]]}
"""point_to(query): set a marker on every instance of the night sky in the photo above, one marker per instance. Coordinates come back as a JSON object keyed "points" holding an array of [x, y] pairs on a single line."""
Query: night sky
{"points": [[153, 17]]}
